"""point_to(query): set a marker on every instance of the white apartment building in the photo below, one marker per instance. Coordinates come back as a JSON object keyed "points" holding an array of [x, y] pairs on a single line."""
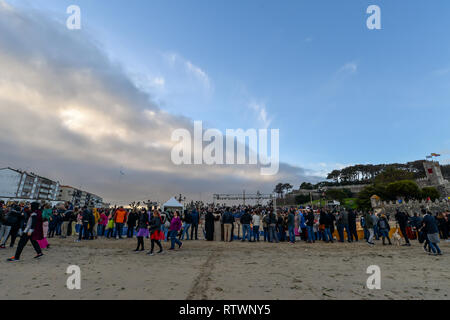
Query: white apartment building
{"points": [[21, 185]]}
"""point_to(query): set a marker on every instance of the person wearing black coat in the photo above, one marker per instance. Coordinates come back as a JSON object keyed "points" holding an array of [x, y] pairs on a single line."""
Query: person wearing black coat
{"points": [[12, 223], [402, 220], [352, 225], [155, 233], [245, 220], [209, 226], [310, 226], [131, 223]]}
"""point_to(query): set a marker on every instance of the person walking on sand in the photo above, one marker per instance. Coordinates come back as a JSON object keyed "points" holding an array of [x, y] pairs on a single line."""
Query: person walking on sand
{"points": [[175, 226], [31, 225], [156, 235], [120, 217], [432, 231], [384, 228], [402, 220], [142, 229]]}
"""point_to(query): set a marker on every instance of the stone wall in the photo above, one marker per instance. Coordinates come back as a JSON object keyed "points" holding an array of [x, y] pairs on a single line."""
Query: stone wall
{"points": [[416, 206]]}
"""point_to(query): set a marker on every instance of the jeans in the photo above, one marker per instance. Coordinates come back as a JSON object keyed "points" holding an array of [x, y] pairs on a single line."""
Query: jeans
{"points": [[186, 231], [366, 234], [341, 232], [165, 230], [246, 232], [310, 230], [173, 239], [118, 231], [58, 228], [291, 231], [130, 231], [376, 232], [4, 233], [434, 247], [370, 240], [353, 232], [273, 234], [83, 228], [194, 228], [327, 235], [266, 233], [255, 233]]}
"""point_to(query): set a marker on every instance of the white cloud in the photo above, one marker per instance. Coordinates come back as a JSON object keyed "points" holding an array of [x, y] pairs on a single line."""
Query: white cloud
{"points": [[350, 67], [175, 60], [261, 111], [72, 114]]}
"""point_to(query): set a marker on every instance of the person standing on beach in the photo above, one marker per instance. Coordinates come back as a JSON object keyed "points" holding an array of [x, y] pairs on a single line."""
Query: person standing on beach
{"points": [[310, 226], [209, 225], [256, 221], [195, 221], [245, 220], [142, 229], [402, 220], [120, 217], [175, 226], [369, 225], [291, 226], [84, 225], [272, 227], [352, 225], [102, 223], [31, 225], [265, 221], [187, 224], [131, 223], [227, 220]]}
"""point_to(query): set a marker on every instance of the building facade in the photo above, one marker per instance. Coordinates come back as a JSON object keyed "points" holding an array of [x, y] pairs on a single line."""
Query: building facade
{"points": [[17, 184], [79, 197]]}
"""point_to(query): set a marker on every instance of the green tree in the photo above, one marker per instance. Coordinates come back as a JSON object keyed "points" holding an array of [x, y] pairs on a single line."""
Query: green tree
{"points": [[430, 192], [363, 199], [302, 198], [391, 174], [406, 189], [306, 186], [335, 194]]}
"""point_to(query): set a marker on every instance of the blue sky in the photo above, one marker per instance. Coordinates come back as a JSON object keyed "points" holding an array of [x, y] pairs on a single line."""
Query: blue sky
{"points": [[339, 93]]}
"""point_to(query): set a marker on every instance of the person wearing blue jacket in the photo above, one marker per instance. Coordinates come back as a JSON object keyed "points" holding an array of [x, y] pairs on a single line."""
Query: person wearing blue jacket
{"points": [[432, 231], [195, 221]]}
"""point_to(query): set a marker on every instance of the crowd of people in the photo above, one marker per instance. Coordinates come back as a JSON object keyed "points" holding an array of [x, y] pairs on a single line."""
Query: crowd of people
{"points": [[38, 222]]}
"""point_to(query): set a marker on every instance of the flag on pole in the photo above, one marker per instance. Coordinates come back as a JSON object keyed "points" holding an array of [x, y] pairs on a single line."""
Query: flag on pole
{"points": [[435, 155]]}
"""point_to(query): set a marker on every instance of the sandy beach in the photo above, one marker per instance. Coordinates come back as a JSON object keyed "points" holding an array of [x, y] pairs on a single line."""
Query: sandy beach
{"points": [[217, 270]]}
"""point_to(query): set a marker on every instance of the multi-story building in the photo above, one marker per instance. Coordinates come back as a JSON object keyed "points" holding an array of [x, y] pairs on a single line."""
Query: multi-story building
{"points": [[79, 197], [22, 185]]}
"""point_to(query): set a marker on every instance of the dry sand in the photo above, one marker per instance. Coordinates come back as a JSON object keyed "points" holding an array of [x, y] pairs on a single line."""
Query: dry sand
{"points": [[217, 270]]}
